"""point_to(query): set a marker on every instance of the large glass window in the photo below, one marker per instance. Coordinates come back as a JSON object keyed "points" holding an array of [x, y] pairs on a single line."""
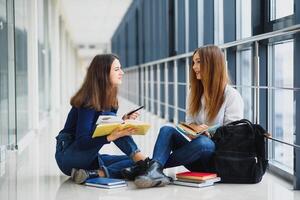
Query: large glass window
{"points": [[281, 8], [42, 58], [3, 75], [243, 19], [218, 22], [193, 24], [21, 56], [200, 22], [282, 118], [244, 80], [244, 56]]}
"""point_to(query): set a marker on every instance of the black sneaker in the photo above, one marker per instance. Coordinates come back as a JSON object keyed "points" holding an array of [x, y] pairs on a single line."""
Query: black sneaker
{"points": [[79, 176]]}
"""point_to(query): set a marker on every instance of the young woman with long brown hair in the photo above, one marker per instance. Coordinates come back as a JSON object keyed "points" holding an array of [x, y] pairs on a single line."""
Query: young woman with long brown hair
{"points": [[77, 153], [211, 101]]}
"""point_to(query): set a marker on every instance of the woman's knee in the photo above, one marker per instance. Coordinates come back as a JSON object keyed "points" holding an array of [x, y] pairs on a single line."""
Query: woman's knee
{"points": [[61, 165], [167, 130], [205, 143]]}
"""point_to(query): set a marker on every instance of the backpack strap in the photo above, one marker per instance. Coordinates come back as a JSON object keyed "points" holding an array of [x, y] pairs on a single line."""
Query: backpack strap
{"points": [[242, 121], [268, 136]]}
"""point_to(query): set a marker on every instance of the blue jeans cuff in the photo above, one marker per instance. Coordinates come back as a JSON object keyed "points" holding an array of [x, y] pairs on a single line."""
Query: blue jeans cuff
{"points": [[105, 170], [134, 152], [102, 167]]}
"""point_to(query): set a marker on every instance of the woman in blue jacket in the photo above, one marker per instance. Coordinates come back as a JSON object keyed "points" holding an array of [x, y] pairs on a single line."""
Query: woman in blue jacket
{"points": [[76, 151], [211, 101]]}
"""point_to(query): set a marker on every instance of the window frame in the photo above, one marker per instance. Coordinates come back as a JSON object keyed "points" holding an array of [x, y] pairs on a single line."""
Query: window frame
{"points": [[275, 166]]}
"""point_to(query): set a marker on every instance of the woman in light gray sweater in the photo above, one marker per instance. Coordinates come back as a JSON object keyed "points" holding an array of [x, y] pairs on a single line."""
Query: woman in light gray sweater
{"points": [[211, 102]]}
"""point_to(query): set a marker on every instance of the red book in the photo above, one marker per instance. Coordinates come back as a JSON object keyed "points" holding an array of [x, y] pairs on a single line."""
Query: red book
{"points": [[196, 175]]}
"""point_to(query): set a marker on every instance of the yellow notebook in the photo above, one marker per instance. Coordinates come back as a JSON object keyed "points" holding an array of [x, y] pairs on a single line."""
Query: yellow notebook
{"points": [[108, 128]]}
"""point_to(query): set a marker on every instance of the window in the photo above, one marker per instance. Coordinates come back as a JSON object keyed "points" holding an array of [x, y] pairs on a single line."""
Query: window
{"points": [[243, 19], [282, 118], [244, 56], [200, 22], [172, 31], [21, 44], [281, 8], [43, 59], [218, 22], [244, 80], [3, 76]]}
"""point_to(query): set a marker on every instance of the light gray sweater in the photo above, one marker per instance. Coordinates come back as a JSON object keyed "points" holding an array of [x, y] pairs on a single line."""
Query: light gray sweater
{"points": [[232, 109]]}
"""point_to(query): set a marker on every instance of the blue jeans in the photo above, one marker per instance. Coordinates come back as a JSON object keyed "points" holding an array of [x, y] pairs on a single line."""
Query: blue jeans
{"points": [[173, 149], [69, 156]]}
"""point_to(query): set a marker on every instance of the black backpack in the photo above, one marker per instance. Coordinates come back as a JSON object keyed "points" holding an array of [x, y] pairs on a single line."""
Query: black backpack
{"points": [[240, 155]]}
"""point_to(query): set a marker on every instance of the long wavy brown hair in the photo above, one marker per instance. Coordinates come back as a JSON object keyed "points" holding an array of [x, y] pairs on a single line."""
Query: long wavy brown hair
{"points": [[97, 90], [214, 78]]}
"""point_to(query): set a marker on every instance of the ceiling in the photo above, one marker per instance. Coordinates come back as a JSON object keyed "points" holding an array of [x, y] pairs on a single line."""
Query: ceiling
{"points": [[91, 23]]}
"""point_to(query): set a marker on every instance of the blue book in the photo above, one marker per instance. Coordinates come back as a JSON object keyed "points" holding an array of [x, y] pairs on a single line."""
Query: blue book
{"points": [[106, 182]]}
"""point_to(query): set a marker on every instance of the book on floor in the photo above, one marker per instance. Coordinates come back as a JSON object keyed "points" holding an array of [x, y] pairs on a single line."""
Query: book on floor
{"points": [[107, 183], [107, 124], [196, 179], [217, 179], [196, 175], [189, 184], [195, 184]]}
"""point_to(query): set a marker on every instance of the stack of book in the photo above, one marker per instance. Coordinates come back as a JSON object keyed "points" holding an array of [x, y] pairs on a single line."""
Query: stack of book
{"points": [[107, 183], [196, 179], [187, 129]]}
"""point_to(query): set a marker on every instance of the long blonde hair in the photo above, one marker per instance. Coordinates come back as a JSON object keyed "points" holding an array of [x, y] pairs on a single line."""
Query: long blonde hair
{"points": [[214, 78]]}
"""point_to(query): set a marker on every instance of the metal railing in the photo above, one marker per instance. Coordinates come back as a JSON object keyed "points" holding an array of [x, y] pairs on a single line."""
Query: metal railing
{"points": [[143, 70]]}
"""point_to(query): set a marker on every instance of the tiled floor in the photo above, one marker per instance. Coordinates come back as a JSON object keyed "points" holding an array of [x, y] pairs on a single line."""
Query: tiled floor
{"points": [[32, 174]]}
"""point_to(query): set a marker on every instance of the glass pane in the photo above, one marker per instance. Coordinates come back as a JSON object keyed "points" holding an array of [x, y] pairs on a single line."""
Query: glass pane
{"points": [[218, 22], [42, 59], [281, 8], [245, 79], [244, 28], [283, 126], [21, 67], [3, 76], [283, 65]]}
